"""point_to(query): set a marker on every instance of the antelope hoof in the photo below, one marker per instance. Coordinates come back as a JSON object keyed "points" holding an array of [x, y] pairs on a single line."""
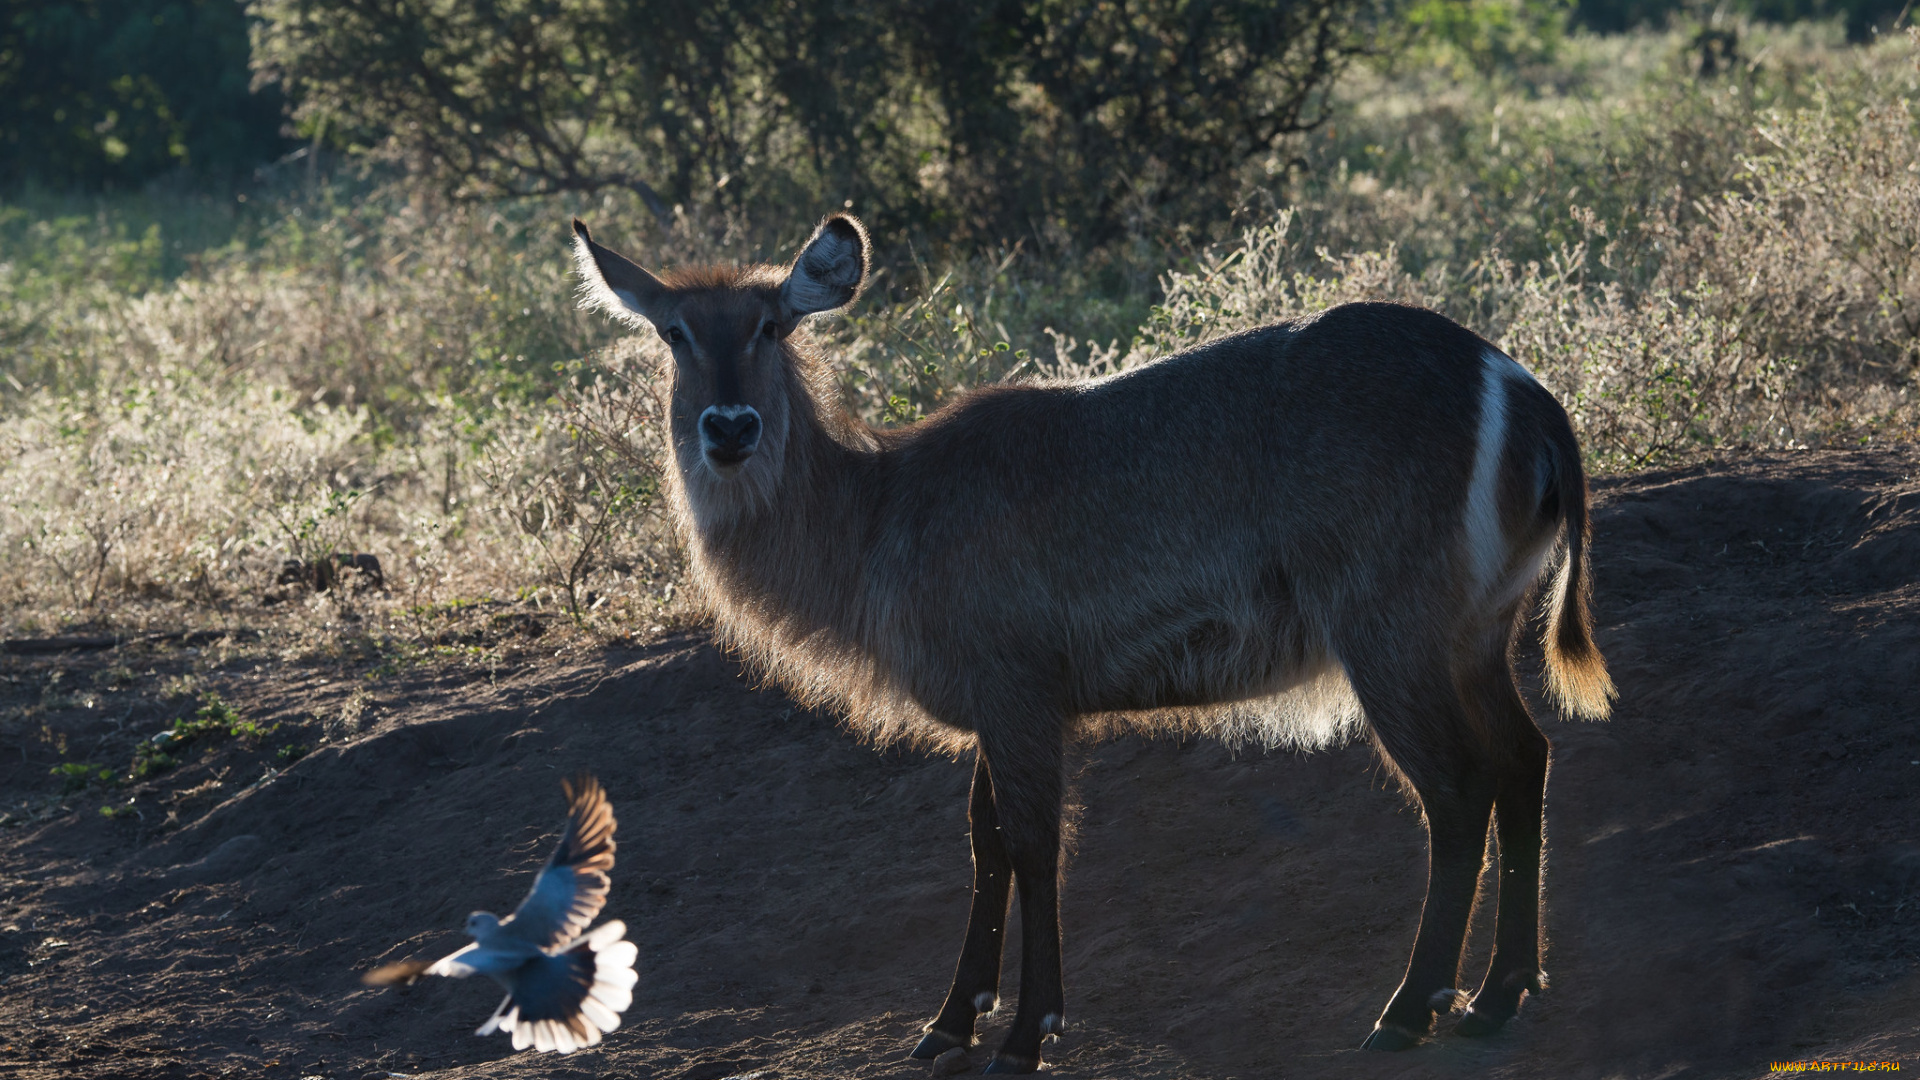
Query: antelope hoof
{"points": [[1477, 1024], [936, 1042], [1007, 1063], [1390, 1037]]}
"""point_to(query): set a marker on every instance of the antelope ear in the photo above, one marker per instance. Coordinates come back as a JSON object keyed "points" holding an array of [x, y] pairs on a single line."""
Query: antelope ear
{"points": [[613, 283], [829, 271]]}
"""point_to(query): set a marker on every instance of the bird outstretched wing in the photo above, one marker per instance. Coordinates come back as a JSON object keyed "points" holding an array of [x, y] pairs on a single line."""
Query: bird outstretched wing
{"points": [[565, 984], [572, 888]]}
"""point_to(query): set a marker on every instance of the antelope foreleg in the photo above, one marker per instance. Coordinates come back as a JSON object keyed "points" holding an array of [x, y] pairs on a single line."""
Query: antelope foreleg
{"points": [[976, 979]]}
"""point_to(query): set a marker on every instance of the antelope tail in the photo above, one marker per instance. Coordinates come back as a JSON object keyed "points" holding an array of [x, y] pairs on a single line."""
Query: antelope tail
{"points": [[1576, 672]]}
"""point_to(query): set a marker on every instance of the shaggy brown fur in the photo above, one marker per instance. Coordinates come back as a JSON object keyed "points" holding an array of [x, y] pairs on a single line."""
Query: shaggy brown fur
{"points": [[1289, 535]]}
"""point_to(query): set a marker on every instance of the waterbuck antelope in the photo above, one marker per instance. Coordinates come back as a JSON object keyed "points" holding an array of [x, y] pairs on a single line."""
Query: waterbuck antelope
{"points": [[1291, 534]]}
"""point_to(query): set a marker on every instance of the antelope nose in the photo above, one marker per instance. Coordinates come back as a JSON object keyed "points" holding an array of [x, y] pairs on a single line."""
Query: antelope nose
{"points": [[730, 432]]}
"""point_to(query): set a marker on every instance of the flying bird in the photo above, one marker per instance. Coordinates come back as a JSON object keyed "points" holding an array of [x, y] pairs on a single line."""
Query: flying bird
{"points": [[565, 984]]}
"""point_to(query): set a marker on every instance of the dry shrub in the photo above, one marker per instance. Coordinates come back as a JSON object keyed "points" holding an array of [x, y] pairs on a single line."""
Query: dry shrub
{"points": [[578, 490], [1816, 257], [411, 379], [366, 380], [172, 495], [1782, 313], [1647, 374], [169, 487]]}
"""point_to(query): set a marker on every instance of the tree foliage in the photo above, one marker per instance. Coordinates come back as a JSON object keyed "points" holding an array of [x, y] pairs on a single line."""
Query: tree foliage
{"points": [[1092, 111], [118, 91], [977, 117]]}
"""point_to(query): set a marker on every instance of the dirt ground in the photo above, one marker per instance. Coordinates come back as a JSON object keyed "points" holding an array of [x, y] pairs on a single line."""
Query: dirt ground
{"points": [[1734, 867]]}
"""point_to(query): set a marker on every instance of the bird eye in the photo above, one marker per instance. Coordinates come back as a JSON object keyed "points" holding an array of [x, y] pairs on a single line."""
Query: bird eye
{"points": [[769, 329], [674, 335]]}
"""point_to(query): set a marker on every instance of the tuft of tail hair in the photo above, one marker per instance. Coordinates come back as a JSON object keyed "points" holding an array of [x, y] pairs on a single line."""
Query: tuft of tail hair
{"points": [[1576, 672]]}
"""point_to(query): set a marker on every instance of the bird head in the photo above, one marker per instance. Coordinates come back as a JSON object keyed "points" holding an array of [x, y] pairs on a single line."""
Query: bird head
{"points": [[482, 924]]}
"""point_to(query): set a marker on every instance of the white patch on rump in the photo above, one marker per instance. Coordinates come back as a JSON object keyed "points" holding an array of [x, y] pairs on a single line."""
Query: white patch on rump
{"points": [[1486, 541]]}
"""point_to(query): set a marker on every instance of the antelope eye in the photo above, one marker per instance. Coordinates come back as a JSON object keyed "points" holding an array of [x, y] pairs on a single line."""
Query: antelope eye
{"points": [[674, 335], [769, 329]]}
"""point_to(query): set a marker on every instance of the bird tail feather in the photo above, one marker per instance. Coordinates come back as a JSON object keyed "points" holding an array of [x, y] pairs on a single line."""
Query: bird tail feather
{"points": [[574, 996]]}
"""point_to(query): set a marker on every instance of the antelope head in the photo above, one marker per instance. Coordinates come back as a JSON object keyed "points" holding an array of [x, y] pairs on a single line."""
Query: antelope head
{"points": [[736, 378]]}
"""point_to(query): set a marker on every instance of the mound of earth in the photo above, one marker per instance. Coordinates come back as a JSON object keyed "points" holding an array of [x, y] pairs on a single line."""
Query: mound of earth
{"points": [[1734, 862]]}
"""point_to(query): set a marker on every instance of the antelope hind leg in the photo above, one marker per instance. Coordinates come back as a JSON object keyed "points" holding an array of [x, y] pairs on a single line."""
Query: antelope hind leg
{"points": [[1519, 804], [1422, 731]]}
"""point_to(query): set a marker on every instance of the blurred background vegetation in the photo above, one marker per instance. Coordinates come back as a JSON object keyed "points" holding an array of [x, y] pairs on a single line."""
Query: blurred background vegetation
{"points": [[288, 281]]}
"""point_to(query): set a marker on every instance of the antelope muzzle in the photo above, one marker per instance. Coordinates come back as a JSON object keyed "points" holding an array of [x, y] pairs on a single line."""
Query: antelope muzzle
{"points": [[729, 434]]}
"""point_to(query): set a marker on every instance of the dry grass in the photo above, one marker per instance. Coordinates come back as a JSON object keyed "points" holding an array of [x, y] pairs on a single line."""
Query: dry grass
{"points": [[1780, 310], [391, 383], [377, 372]]}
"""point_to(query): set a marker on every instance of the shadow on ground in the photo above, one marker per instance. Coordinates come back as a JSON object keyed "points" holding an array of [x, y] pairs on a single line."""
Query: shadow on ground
{"points": [[1734, 872]]}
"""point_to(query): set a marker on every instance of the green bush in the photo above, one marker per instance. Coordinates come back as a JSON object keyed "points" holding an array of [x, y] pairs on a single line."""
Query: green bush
{"points": [[214, 719], [77, 776], [150, 760], [99, 92]]}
